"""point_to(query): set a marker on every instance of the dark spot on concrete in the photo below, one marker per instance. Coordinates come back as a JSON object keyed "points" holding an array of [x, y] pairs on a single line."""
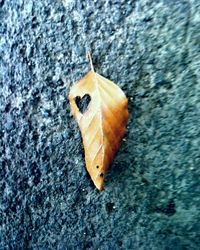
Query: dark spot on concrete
{"points": [[7, 107], [120, 243], [168, 210], [2, 3], [109, 207]]}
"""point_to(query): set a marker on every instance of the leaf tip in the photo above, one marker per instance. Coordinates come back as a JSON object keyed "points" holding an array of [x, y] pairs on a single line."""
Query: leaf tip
{"points": [[98, 180], [99, 183]]}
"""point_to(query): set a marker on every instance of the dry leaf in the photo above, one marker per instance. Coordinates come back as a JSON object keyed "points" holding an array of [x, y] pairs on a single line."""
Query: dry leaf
{"points": [[100, 108]]}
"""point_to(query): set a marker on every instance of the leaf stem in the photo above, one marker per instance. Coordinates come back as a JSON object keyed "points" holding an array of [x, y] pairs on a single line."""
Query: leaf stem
{"points": [[90, 59]]}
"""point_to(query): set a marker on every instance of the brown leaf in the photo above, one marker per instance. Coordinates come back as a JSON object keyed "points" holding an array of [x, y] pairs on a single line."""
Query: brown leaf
{"points": [[100, 108]]}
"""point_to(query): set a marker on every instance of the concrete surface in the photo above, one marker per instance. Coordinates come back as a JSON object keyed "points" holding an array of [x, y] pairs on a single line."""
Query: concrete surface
{"points": [[151, 48]]}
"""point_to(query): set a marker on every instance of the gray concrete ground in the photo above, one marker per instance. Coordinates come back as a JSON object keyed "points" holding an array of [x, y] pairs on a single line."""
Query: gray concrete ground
{"points": [[151, 49]]}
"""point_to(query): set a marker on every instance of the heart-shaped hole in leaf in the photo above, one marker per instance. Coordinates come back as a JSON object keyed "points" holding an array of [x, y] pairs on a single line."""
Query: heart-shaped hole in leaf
{"points": [[82, 103]]}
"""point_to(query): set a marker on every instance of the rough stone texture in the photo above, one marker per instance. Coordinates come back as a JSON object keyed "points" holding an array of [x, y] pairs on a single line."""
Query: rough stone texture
{"points": [[151, 48]]}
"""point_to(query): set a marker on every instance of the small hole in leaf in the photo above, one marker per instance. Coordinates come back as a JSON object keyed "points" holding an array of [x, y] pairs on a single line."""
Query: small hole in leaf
{"points": [[97, 166], [101, 175], [82, 103]]}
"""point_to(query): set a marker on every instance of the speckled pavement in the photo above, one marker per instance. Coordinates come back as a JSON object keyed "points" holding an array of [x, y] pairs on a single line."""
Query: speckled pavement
{"points": [[151, 200]]}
